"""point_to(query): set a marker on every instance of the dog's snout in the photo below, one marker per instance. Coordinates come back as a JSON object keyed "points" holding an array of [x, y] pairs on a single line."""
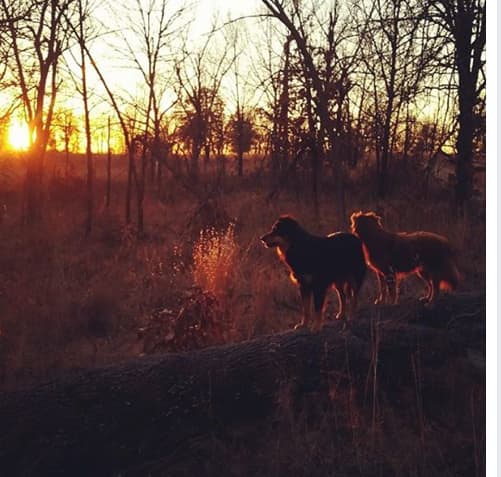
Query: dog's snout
{"points": [[265, 238]]}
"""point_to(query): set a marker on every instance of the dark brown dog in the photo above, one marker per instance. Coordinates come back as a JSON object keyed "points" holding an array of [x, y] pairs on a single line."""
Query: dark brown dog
{"points": [[394, 255], [316, 263]]}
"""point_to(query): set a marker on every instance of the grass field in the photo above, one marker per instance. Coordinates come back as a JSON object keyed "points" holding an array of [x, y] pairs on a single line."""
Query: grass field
{"points": [[200, 275]]}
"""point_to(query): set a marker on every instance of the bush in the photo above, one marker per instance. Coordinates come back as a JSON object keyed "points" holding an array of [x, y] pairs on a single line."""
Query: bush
{"points": [[214, 258]]}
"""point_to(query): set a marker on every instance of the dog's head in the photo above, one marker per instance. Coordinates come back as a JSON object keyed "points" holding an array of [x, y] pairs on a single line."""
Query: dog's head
{"points": [[363, 223], [282, 233]]}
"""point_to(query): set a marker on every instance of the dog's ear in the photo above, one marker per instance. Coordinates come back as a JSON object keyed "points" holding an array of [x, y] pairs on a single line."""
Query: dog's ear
{"points": [[373, 216], [377, 218], [354, 216], [287, 218], [287, 221]]}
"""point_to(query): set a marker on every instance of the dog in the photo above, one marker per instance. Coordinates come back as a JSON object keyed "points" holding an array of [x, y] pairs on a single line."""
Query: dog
{"points": [[317, 263], [395, 255]]}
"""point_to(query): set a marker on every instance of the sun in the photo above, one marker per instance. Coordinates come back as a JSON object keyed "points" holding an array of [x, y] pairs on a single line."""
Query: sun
{"points": [[19, 135]]}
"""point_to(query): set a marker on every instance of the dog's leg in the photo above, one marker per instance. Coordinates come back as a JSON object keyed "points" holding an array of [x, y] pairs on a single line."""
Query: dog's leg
{"points": [[429, 285], [434, 289], [383, 291], [351, 299], [392, 285], [342, 302], [319, 294], [306, 301]]}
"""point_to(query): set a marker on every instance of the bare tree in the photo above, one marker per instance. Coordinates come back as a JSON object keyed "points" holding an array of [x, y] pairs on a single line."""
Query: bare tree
{"points": [[38, 40], [297, 20], [241, 128], [6, 81], [108, 162], [464, 23], [397, 56], [66, 130], [127, 131], [200, 75], [82, 18], [149, 35], [281, 123], [270, 74], [241, 136]]}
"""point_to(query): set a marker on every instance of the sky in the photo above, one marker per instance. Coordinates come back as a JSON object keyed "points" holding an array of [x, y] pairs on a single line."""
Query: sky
{"points": [[110, 51], [234, 8], [124, 78], [203, 15]]}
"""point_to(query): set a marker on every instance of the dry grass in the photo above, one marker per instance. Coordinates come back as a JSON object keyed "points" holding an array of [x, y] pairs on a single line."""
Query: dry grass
{"points": [[72, 302], [215, 254], [202, 277]]}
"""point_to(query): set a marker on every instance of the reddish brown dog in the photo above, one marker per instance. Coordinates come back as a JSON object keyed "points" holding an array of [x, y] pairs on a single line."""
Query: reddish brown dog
{"points": [[394, 255], [316, 263]]}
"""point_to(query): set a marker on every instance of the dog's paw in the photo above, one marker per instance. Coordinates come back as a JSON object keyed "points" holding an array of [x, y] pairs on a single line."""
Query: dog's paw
{"points": [[300, 326]]}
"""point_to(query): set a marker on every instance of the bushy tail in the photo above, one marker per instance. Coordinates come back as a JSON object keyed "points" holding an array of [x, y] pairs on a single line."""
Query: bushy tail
{"points": [[452, 277], [446, 286]]}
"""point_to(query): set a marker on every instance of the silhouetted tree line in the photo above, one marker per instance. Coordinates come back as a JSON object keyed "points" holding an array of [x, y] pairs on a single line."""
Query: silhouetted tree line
{"points": [[349, 83]]}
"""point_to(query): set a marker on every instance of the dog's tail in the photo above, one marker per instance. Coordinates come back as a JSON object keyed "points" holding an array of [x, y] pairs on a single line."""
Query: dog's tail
{"points": [[452, 276], [447, 286]]}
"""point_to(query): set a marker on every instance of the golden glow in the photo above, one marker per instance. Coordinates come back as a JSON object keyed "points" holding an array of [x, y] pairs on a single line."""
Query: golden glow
{"points": [[19, 135]]}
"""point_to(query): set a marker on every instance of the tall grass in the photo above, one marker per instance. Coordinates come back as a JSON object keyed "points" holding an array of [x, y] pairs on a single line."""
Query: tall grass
{"points": [[215, 255], [59, 293]]}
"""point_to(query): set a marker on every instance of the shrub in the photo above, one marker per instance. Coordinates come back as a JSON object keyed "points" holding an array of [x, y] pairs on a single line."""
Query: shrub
{"points": [[214, 255]]}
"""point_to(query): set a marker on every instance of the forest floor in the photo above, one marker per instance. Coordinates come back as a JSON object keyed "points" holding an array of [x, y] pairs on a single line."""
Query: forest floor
{"points": [[199, 277]]}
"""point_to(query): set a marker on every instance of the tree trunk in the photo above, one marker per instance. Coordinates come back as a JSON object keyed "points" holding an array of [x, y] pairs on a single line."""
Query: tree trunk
{"points": [[317, 152], [141, 192], [108, 166], [165, 410], [193, 168], [386, 139], [240, 162], [128, 192], [67, 158], [141, 180], [32, 194], [465, 23], [88, 138], [283, 119], [464, 142]]}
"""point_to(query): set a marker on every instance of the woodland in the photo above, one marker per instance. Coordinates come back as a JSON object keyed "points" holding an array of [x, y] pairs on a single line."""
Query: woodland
{"points": [[145, 146]]}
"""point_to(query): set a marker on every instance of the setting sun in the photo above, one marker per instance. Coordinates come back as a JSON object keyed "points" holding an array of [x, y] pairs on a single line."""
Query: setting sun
{"points": [[19, 136]]}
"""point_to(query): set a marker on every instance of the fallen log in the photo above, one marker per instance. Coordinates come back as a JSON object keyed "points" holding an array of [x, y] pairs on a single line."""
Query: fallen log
{"points": [[159, 409]]}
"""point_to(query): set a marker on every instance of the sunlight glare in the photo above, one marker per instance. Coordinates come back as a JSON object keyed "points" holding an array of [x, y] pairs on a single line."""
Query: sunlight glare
{"points": [[19, 136]]}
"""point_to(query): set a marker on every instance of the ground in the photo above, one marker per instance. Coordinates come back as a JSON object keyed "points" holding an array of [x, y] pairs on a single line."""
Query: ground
{"points": [[199, 277], [71, 301]]}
